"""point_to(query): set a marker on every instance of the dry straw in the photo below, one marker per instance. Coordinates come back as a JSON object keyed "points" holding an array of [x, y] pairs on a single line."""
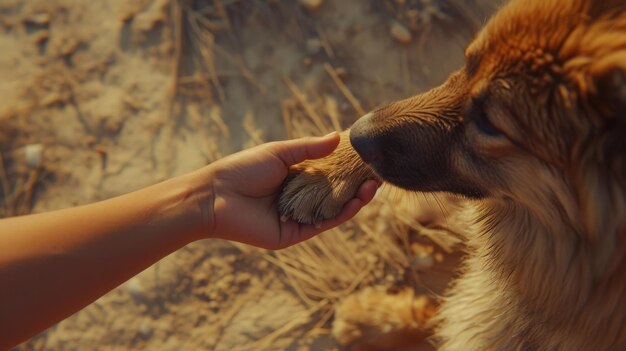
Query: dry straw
{"points": [[376, 249]]}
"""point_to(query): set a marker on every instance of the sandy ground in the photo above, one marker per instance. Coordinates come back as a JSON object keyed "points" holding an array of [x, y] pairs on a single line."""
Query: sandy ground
{"points": [[121, 94]]}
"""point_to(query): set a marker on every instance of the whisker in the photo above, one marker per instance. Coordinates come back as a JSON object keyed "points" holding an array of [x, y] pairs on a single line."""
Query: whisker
{"points": [[443, 209]]}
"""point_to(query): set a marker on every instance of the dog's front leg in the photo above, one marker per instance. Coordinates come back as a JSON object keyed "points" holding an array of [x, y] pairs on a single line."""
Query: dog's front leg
{"points": [[317, 189]]}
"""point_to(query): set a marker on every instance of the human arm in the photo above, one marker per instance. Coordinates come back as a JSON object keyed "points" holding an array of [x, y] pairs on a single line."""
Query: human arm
{"points": [[53, 264]]}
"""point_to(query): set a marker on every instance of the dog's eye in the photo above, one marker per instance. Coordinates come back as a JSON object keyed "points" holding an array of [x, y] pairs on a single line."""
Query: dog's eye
{"points": [[477, 115], [485, 126]]}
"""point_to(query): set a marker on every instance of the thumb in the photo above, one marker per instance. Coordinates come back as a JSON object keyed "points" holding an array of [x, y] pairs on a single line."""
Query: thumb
{"points": [[295, 151]]}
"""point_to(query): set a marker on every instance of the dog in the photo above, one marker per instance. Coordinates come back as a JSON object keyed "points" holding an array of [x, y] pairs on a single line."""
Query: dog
{"points": [[531, 133]]}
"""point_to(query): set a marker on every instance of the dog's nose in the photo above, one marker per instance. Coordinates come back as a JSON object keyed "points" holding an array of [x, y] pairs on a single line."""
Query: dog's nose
{"points": [[363, 140]]}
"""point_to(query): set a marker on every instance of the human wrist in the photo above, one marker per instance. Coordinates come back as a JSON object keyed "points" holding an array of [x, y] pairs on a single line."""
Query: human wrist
{"points": [[188, 202], [201, 195]]}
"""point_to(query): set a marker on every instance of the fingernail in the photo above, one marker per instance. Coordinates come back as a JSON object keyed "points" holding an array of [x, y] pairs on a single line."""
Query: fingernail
{"points": [[329, 134]]}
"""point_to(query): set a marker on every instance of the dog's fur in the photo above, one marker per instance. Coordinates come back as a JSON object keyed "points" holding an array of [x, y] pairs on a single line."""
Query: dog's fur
{"points": [[532, 131]]}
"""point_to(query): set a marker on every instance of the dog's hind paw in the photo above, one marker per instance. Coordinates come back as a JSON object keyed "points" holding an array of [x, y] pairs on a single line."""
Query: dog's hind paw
{"points": [[316, 190], [374, 319]]}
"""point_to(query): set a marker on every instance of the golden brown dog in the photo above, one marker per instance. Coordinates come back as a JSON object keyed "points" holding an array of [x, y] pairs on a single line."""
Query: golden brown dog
{"points": [[532, 132]]}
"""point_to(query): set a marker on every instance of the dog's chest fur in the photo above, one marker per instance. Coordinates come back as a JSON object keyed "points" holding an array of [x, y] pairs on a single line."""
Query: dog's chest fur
{"points": [[521, 290]]}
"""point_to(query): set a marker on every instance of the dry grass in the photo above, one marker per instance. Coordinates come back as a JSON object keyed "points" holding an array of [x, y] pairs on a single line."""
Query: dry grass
{"points": [[380, 247], [385, 247]]}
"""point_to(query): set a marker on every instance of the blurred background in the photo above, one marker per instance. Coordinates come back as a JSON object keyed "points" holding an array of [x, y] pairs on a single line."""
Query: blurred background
{"points": [[99, 98]]}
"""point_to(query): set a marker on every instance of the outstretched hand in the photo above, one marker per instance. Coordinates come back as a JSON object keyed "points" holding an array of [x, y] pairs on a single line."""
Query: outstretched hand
{"points": [[78, 254], [246, 186]]}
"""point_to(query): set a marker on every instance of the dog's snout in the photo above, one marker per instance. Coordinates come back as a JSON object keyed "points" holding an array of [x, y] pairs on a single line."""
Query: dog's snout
{"points": [[363, 140]]}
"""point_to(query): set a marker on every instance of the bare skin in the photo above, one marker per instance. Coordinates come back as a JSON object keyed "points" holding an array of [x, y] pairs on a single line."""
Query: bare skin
{"points": [[53, 264]]}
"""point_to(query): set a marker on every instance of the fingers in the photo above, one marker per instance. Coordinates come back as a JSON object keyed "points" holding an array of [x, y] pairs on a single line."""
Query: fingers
{"points": [[368, 190], [295, 151], [294, 233], [350, 209]]}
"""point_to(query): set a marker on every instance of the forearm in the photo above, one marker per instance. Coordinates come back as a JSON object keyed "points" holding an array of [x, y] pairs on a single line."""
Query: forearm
{"points": [[53, 264]]}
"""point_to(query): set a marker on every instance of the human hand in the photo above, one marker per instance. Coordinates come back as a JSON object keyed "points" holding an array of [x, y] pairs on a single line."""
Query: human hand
{"points": [[246, 186]]}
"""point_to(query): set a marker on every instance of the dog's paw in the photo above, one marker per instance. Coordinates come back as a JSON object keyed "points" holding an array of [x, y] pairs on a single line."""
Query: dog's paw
{"points": [[316, 190], [374, 319]]}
